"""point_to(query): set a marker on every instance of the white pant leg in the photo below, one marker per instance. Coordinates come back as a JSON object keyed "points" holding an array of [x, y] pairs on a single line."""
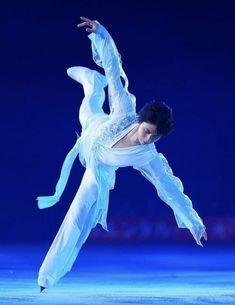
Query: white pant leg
{"points": [[81, 217], [93, 84], [90, 106]]}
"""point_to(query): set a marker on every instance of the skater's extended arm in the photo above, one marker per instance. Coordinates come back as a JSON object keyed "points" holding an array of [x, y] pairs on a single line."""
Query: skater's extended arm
{"points": [[170, 189], [106, 55]]}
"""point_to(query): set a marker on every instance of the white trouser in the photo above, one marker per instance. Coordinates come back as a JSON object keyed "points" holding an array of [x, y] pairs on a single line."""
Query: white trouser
{"points": [[83, 213]]}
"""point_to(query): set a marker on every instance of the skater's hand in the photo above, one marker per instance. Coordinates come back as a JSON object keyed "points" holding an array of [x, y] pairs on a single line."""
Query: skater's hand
{"points": [[204, 235], [197, 238], [91, 24]]}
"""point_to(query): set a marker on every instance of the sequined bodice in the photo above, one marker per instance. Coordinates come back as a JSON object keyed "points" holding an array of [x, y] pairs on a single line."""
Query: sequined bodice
{"points": [[112, 130]]}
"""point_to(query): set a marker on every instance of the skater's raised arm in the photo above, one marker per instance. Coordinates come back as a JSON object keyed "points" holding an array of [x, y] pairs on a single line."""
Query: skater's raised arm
{"points": [[106, 55], [170, 189]]}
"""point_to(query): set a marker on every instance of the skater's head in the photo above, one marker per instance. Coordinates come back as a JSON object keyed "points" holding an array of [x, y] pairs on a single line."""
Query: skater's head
{"points": [[156, 121]]}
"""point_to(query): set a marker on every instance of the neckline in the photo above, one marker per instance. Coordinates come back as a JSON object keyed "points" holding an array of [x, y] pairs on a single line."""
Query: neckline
{"points": [[127, 147]]}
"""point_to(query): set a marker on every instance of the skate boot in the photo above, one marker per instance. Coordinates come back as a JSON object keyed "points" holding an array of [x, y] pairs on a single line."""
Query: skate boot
{"points": [[86, 76]]}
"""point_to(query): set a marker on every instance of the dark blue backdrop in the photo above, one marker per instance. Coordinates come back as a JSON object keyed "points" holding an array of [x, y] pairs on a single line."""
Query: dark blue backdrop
{"points": [[180, 52]]}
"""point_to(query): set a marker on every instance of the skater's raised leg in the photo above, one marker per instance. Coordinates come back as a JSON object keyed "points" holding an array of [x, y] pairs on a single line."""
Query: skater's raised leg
{"points": [[93, 84]]}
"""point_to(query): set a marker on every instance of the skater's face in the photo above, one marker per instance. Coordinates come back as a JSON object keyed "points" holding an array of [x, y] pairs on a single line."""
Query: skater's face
{"points": [[147, 133]]}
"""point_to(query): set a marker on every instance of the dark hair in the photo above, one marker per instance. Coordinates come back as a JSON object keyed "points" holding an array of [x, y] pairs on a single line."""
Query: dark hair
{"points": [[159, 114]]}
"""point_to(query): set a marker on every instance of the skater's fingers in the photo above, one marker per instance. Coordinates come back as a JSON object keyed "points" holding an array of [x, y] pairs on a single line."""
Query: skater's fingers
{"points": [[196, 238], [86, 23], [79, 25], [84, 18]]}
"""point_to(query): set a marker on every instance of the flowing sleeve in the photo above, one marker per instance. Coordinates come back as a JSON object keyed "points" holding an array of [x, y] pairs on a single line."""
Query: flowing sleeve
{"points": [[106, 55], [170, 189]]}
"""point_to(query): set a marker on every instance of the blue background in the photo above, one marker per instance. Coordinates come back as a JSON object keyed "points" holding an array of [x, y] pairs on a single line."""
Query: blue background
{"points": [[180, 52]]}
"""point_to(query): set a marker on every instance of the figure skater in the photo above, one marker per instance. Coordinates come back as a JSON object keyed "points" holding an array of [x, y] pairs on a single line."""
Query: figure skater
{"points": [[107, 142]]}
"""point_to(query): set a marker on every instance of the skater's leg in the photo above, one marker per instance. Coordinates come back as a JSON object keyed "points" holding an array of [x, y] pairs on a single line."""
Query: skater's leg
{"points": [[81, 217], [91, 222], [94, 95]]}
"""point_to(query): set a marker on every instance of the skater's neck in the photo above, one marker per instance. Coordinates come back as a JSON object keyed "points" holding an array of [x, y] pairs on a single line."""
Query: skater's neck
{"points": [[132, 136]]}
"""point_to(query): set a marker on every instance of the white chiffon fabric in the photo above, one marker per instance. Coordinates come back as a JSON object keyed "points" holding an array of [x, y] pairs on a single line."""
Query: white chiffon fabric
{"points": [[96, 153]]}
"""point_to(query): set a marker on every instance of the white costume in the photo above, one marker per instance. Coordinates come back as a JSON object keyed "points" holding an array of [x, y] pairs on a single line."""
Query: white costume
{"points": [[100, 132]]}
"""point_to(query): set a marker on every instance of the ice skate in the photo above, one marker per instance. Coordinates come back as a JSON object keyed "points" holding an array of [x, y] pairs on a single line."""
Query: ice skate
{"points": [[42, 288], [85, 75]]}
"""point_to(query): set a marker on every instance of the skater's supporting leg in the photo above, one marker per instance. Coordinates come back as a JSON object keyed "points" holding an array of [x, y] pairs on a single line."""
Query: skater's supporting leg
{"points": [[81, 217]]}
